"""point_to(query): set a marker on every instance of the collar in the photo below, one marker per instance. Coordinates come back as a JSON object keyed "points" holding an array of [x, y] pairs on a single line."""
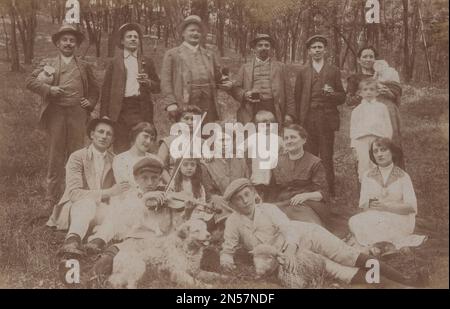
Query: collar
{"points": [[262, 61], [65, 59], [190, 47], [395, 174], [127, 53], [97, 153], [368, 101], [386, 168], [318, 65]]}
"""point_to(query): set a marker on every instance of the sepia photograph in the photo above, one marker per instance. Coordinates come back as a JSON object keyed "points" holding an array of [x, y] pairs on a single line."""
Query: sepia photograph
{"points": [[224, 144]]}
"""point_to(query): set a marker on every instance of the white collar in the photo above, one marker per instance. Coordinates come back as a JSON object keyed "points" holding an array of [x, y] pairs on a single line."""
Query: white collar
{"points": [[368, 101], [262, 61], [191, 48], [66, 59], [318, 65], [127, 53], [97, 153], [386, 168]]}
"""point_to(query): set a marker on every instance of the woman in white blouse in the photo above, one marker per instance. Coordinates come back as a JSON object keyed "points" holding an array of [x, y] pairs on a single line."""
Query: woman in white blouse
{"points": [[388, 201], [143, 138]]}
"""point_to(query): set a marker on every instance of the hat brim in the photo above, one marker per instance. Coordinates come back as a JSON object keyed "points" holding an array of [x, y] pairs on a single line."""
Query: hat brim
{"points": [[79, 35], [128, 27], [254, 41], [316, 39], [184, 24], [95, 122]]}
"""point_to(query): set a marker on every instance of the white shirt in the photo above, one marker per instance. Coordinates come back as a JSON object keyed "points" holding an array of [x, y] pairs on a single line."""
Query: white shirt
{"points": [[99, 165], [132, 69], [123, 167], [386, 171], [318, 65], [370, 118], [191, 47], [66, 59]]}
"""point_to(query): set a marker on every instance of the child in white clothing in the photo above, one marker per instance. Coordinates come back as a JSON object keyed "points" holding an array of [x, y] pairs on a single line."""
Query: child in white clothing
{"points": [[369, 120]]}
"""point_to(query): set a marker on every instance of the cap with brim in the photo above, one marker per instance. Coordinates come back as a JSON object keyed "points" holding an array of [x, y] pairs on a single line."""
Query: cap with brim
{"points": [[149, 163], [316, 38], [192, 19], [260, 37], [234, 187], [128, 27], [68, 28], [94, 122]]}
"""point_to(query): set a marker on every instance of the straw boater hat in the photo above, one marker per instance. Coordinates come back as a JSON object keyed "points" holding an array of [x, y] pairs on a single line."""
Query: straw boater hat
{"points": [[128, 27], [68, 28], [262, 36], [192, 19]]}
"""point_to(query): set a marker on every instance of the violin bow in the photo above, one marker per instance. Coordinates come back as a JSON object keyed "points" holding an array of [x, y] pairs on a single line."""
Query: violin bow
{"points": [[182, 158]]}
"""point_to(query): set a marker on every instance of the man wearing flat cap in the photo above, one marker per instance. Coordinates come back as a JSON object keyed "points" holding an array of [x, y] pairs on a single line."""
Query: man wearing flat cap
{"points": [[130, 79], [190, 74], [263, 84], [69, 92], [318, 92], [89, 186]]}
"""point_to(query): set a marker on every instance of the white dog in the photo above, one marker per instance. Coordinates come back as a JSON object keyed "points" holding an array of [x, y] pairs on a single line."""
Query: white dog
{"points": [[177, 254]]}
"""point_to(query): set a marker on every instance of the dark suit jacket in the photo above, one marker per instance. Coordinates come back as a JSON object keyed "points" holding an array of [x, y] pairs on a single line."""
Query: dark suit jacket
{"points": [[302, 94], [113, 88], [89, 81], [281, 90]]}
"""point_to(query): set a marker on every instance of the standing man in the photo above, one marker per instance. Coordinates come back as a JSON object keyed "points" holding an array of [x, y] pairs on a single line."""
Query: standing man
{"points": [[89, 186], [318, 92], [263, 84], [190, 73], [69, 93], [130, 78]]}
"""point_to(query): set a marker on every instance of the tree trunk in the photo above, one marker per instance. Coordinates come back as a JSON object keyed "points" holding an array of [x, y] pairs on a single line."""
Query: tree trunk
{"points": [[15, 65], [406, 61]]}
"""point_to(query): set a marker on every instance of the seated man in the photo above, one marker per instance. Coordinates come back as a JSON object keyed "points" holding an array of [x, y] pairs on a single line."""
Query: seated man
{"points": [[139, 211], [89, 186], [252, 224], [139, 214]]}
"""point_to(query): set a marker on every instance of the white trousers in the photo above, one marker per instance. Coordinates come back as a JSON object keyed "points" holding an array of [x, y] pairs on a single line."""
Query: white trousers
{"points": [[86, 214]]}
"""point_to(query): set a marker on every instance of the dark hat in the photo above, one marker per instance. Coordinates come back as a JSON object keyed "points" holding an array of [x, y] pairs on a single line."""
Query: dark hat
{"points": [[94, 122], [316, 38], [68, 28], [128, 27], [234, 187], [261, 36], [192, 19], [150, 163]]}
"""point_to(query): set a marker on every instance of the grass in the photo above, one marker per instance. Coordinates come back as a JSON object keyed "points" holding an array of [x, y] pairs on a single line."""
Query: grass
{"points": [[27, 252]]}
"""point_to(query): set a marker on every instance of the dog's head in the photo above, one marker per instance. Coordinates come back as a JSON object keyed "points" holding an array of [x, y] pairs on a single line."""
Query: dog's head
{"points": [[266, 259], [194, 234]]}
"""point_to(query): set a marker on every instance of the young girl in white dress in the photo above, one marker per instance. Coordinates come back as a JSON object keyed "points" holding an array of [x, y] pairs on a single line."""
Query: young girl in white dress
{"points": [[388, 202]]}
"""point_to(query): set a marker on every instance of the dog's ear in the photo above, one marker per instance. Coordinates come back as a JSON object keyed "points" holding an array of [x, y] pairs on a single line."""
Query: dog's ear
{"points": [[183, 231]]}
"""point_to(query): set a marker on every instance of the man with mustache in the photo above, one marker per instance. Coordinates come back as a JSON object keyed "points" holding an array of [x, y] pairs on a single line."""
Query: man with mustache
{"points": [[318, 92], [190, 74], [69, 94], [263, 84], [130, 78]]}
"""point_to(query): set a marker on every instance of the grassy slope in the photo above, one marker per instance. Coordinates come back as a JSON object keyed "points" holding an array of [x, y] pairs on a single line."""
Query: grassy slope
{"points": [[27, 251]]}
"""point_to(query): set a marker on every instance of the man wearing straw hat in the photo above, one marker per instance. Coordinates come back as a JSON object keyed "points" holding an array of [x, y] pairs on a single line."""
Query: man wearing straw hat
{"points": [[190, 73], [263, 84], [69, 92], [130, 78]]}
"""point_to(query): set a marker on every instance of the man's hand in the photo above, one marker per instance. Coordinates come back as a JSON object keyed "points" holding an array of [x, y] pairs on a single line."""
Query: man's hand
{"points": [[248, 97], [225, 85], [143, 79], [290, 257], [85, 103], [56, 91], [158, 196], [299, 199]]}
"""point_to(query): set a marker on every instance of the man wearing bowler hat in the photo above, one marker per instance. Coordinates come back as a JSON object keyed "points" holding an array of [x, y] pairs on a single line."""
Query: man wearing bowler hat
{"points": [[69, 92], [130, 78], [263, 84], [89, 186], [190, 73], [318, 92]]}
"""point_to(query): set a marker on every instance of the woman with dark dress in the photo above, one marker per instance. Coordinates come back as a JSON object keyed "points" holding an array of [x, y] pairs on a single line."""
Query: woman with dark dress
{"points": [[390, 93], [301, 189]]}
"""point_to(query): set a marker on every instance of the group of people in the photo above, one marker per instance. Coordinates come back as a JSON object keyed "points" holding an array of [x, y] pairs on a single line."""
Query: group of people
{"points": [[109, 199]]}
